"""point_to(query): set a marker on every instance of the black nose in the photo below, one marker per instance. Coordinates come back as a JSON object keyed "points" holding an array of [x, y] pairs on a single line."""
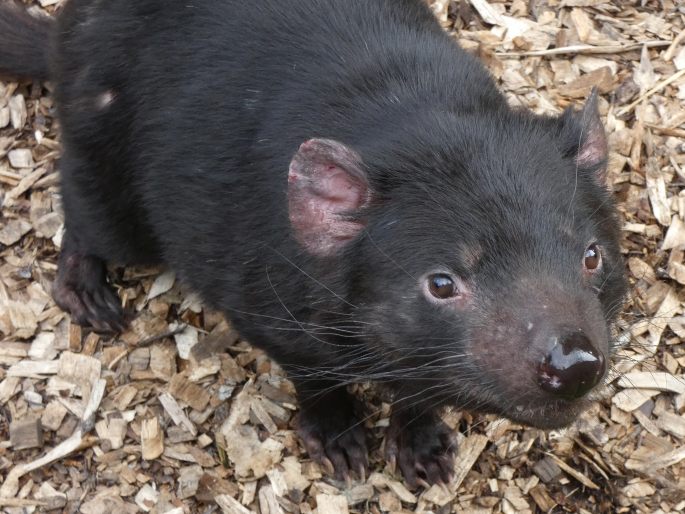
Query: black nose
{"points": [[572, 367]]}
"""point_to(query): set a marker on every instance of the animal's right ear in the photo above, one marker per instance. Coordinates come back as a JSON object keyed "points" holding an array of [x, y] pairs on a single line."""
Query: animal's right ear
{"points": [[327, 188], [585, 138]]}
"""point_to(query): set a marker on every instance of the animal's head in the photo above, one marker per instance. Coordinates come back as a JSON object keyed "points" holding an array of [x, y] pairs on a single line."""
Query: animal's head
{"points": [[481, 253]]}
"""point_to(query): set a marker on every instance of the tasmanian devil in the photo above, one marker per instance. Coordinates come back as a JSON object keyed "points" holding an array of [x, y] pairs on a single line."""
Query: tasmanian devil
{"points": [[351, 189]]}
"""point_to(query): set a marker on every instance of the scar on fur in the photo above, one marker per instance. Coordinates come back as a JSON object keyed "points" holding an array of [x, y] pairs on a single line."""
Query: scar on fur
{"points": [[105, 99], [471, 254]]}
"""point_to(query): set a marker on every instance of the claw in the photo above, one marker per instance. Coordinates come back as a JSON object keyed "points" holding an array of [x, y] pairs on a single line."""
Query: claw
{"points": [[334, 438], [81, 289], [392, 464], [423, 450], [362, 474], [445, 489], [420, 481], [328, 465]]}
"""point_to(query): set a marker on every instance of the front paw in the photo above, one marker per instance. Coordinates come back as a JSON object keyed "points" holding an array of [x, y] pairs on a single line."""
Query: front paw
{"points": [[335, 439], [424, 448], [82, 290]]}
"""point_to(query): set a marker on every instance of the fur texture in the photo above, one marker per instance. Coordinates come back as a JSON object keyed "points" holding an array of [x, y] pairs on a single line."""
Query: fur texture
{"points": [[25, 42]]}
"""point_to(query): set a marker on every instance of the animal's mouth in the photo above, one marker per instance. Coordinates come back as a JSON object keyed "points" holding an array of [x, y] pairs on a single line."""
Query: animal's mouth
{"points": [[550, 415], [546, 414]]}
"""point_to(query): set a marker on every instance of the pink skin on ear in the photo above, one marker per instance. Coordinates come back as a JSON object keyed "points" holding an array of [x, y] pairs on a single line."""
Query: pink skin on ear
{"points": [[593, 149], [326, 186]]}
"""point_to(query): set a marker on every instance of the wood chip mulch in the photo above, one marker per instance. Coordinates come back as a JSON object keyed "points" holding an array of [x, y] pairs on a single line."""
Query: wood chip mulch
{"points": [[179, 415]]}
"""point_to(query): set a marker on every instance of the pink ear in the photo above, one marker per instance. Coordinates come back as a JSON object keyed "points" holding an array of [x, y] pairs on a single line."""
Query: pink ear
{"points": [[326, 187], [593, 149]]}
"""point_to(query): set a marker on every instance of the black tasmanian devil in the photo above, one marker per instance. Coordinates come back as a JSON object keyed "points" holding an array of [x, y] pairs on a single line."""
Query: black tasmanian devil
{"points": [[349, 187]]}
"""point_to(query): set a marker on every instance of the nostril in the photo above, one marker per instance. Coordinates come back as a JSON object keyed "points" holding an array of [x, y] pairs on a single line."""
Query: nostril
{"points": [[572, 367]]}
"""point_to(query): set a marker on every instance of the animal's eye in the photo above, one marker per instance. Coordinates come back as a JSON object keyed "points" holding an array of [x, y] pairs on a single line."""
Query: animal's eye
{"points": [[442, 286], [593, 258]]}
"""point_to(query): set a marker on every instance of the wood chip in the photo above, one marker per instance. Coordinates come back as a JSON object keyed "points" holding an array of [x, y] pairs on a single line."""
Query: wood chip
{"points": [[163, 360], [248, 454], [113, 430], [4, 117], [185, 341], [469, 450], [653, 380], [18, 113], [277, 481], [229, 505], [26, 433], [151, 438], [162, 284], [672, 423], [188, 481], [630, 399], [293, 475], [20, 158], [401, 491], [263, 416], [43, 347], [193, 395], [547, 469], [204, 368], [48, 226], [147, 498], [211, 486], [13, 231], [575, 474], [638, 489], [542, 498], [176, 413], [79, 369], [53, 415], [268, 501], [359, 494], [329, 504], [33, 368]]}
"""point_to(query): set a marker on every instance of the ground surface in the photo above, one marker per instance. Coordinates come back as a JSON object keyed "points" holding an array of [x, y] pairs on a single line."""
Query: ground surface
{"points": [[140, 422]]}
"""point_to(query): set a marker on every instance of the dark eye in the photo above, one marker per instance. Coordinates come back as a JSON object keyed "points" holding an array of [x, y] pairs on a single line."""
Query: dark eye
{"points": [[442, 286], [593, 258]]}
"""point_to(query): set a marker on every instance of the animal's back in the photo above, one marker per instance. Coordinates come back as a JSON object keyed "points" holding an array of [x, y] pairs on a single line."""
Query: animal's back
{"points": [[189, 107]]}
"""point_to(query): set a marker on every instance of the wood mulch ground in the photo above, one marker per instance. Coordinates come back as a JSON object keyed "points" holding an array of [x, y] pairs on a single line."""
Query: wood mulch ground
{"points": [[178, 415]]}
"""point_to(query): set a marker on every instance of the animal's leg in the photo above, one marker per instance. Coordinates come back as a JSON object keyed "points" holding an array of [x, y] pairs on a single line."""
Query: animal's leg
{"points": [[331, 431]]}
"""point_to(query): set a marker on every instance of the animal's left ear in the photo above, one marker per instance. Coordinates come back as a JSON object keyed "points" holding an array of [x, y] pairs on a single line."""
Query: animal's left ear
{"points": [[585, 138], [327, 190]]}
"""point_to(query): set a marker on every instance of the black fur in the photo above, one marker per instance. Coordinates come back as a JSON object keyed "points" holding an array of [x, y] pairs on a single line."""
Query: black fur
{"points": [[24, 44], [180, 120]]}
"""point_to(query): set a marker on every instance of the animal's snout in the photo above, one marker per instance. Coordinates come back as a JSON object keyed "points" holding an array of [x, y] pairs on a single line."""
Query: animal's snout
{"points": [[571, 367]]}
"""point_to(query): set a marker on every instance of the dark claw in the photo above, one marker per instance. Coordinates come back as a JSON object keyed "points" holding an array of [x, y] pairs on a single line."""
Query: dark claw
{"points": [[409, 472], [81, 289], [337, 457], [424, 448], [339, 454], [335, 439], [357, 456], [433, 472], [392, 462]]}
